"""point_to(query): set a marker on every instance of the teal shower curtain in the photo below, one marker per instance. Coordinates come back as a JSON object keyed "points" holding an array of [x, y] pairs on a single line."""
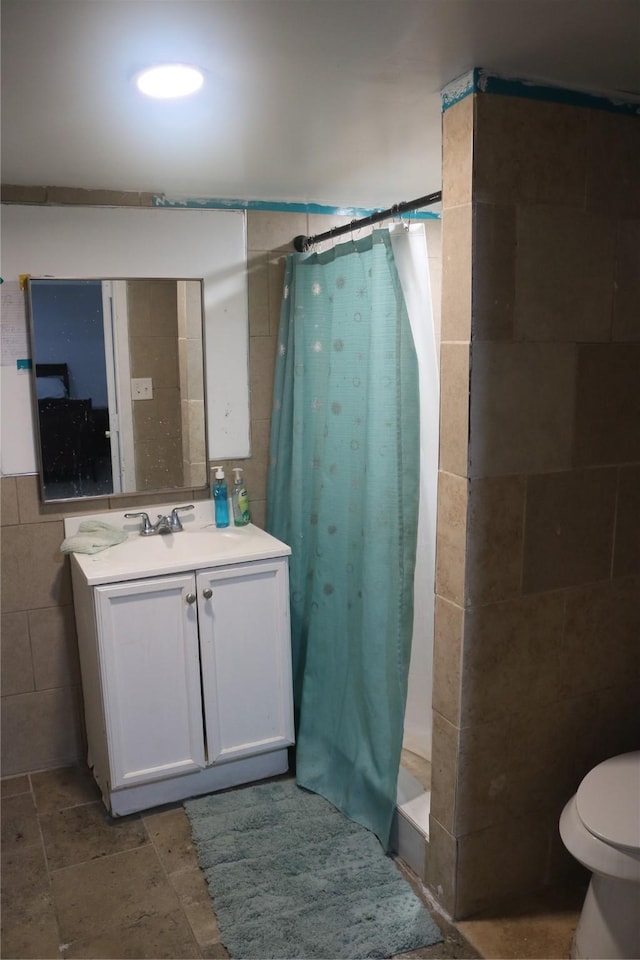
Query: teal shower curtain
{"points": [[343, 493]]}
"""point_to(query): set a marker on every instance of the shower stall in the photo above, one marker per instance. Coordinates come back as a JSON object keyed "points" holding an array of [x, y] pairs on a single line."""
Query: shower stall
{"points": [[417, 254]]}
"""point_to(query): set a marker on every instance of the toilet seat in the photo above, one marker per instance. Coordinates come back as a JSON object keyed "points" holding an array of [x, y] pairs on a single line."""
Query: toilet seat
{"points": [[608, 802], [600, 826]]}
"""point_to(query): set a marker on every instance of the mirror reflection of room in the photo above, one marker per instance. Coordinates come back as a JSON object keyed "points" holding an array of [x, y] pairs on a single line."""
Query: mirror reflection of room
{"points": [[119, 385]]}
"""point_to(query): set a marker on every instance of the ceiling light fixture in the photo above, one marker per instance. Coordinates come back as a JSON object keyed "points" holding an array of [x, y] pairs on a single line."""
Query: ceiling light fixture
{"points": [[169, 80]]}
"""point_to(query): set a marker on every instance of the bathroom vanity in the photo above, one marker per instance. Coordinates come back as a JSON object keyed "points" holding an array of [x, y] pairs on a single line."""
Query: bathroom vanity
{"points": [[184, 644]]}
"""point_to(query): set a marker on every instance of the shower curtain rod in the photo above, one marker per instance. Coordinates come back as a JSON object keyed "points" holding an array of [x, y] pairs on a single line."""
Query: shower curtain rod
{"points": [[302, 243]]}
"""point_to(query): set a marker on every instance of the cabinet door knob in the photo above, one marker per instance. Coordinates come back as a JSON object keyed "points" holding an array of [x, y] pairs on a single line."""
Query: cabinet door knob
{"points": [[190, 598], [207, 594]]}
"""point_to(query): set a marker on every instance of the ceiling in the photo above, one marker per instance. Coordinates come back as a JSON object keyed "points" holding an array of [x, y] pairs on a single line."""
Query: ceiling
{"points": [[327, 101]]}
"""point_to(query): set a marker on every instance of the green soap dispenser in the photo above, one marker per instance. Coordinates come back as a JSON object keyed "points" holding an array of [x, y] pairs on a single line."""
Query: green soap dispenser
{"points": [[240, 500]]}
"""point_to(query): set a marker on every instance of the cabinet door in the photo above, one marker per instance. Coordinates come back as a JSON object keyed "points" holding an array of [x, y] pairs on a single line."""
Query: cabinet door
{"points": [[148, 638], [246, 658]]}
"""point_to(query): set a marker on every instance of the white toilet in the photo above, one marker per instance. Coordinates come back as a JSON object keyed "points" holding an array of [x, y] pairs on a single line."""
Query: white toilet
{"points": [[600, 826]]}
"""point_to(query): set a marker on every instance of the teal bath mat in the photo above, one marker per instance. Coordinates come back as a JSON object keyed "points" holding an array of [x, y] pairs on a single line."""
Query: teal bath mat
{"points": [[291, 877]]}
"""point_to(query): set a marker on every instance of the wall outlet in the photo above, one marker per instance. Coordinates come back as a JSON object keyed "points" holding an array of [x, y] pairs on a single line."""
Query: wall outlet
{"points": [[142, 388]]}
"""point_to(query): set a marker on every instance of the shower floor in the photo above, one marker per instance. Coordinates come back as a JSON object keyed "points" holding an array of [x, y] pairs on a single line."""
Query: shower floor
{"points": [[414, 790], [411, 823]]}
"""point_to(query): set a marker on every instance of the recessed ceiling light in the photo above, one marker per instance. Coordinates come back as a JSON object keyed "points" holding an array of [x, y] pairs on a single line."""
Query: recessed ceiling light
{"points": [[168, 80]]}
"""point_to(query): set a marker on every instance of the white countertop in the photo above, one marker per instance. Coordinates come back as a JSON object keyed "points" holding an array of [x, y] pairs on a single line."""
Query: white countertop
{"points": [[200, 545]]}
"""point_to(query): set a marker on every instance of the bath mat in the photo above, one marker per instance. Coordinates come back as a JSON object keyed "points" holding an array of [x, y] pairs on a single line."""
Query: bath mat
{"points": [[291, 877]]}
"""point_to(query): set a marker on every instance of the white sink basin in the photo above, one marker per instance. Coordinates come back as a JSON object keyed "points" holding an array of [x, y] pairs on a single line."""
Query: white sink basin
{"points": [[198, 546]]}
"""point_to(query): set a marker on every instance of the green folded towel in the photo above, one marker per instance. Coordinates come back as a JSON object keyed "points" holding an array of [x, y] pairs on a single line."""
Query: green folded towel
{"points": [[92, 536]]}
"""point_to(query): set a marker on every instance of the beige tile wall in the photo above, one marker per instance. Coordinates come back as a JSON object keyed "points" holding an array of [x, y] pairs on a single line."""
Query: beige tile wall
{"points": [[538, 610]]}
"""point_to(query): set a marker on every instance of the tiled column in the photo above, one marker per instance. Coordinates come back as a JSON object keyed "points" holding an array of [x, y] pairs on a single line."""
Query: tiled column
{"points": [[452, 494], [537, 661]]}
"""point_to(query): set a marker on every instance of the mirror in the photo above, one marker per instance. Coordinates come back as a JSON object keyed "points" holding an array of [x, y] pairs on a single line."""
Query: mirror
{"points": [[118, 386]]}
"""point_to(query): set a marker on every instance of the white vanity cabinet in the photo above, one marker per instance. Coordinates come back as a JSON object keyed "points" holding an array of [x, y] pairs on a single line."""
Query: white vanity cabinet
{"points": [[245, 652], [147, 647], [186, 674]]}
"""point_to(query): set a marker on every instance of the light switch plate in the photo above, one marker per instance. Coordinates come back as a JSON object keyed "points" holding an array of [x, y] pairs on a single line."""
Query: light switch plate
{"points": [[142, 388]]}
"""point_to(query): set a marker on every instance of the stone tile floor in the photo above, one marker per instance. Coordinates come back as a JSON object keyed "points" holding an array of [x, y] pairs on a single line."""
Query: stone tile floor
{"points": [[78, 884]]}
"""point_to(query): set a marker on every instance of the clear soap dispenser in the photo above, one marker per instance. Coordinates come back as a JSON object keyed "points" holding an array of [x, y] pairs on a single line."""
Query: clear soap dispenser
{"points": [[240, 500], [220, 501]]}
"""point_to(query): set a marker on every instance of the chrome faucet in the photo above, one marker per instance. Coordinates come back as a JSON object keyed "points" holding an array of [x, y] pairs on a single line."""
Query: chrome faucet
{"points": [[163, 524]]}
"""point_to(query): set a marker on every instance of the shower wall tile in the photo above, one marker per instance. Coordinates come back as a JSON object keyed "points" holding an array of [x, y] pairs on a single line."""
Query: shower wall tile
{"points": [[495, 532], [494, 262], [451, 537], [457, 153], [607, 404], [600, 647], [435, 280], [529, 151], [320, 223], [277, 266], [447, 659], [16, 671], [456, 287], [268, 230], [511, 656], [568, 528], [626, 551], [444, 767], [613, 157], [9, 503], [626, 288], [522, 401], [433, 230], [564, 274], [454, 407]]}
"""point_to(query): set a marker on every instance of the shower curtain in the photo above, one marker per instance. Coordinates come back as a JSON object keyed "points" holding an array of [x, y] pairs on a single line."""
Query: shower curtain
{"points": [[409, 242], [343, 492]]}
